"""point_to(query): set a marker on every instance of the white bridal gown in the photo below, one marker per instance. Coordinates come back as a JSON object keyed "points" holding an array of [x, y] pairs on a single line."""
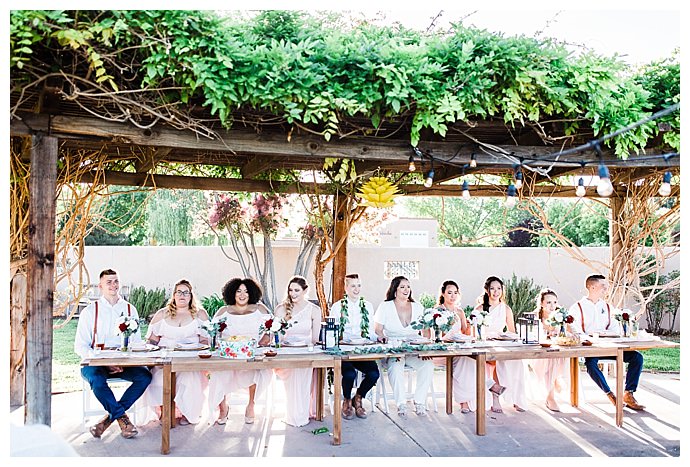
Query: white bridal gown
{"points": [[190, 385], [298, 381], [223, 383]]}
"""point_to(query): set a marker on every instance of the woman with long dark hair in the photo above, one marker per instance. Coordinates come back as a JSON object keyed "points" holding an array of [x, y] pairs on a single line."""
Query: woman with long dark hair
{"points": [[393, 320]]}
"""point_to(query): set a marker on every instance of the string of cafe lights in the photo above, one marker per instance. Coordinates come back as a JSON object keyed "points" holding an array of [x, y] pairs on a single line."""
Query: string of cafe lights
{"points": [[604, 186]]}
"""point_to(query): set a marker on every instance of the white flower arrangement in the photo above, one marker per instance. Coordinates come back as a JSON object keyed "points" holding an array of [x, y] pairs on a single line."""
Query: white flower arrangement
{"points": [[479, 318], [560, 317], [126, 325], [275, 324], [435, 318]]}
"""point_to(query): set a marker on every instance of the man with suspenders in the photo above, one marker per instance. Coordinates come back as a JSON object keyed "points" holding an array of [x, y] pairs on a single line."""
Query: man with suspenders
{"points": [[592, 314], [98, 324]]}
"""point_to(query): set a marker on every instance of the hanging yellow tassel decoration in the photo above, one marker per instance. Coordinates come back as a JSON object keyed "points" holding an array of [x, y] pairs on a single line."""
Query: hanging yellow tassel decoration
{"points": [[378, 192]]}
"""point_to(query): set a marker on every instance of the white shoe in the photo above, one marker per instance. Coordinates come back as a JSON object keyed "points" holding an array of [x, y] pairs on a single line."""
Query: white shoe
{"points": [[402, 411], [420, 410]]}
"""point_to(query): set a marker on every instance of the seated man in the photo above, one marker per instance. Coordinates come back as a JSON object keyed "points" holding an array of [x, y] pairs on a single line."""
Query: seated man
{"points": [[98, 324], [356, 322], [592, 314]]}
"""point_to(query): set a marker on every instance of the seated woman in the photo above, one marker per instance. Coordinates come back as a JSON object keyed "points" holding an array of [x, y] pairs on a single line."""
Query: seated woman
{"points": [[550, 372], [305, 319], [244, 314], [392, 321], [509, 373], [464, 368], [178, 323]]}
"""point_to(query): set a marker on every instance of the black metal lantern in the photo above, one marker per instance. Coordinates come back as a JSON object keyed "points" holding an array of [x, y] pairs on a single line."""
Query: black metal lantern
{"points": [[329, 334], [528, 325]]}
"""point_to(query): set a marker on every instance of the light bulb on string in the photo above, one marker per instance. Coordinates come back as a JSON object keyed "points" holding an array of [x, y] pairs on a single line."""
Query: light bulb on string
{"points": [[412, 167], [581, 190], [665, 188], [604, 187], [518, 179], [466, 190], [429, 179], [511, 197], [473, 160]]}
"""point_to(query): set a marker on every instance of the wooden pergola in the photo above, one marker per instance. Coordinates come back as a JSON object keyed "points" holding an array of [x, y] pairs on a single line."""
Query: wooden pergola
{"points": [[45, 127]]}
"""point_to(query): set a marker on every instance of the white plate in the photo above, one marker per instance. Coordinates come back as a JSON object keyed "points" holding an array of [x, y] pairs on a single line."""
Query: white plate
{"points": [[359, 341], [420, 341], [195, 346], [147, 348]]}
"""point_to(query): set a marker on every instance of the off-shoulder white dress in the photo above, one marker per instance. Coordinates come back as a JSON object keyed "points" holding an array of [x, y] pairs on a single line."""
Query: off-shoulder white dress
{"points": [[298, 381], [222, 383], [190, 385]]}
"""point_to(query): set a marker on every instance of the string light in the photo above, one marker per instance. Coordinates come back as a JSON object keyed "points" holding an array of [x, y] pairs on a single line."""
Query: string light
{"points": [[604, 187], [511, 199], [518, 179], [473, 160], [581, 190], [429, 179], [411, 167], [466, 190], [665, 188]]}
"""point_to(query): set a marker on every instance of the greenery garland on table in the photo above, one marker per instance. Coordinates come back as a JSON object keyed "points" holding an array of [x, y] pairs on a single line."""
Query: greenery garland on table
{"points": [[344, 317], [403, 348]]}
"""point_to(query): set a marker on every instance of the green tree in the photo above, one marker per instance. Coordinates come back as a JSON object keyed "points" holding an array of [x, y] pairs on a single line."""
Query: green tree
{"points": [[583, 222], [121, 217], [172, 215], [472, 222]]}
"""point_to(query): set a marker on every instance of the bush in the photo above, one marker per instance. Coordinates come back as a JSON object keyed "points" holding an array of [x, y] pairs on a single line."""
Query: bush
{"points": [[521, 295], [666, 304], [147, 302], [211, 304], [426, 300]]}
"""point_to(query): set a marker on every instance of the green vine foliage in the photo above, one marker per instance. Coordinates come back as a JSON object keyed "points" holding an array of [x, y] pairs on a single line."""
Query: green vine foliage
{"points": [[293, 66]]}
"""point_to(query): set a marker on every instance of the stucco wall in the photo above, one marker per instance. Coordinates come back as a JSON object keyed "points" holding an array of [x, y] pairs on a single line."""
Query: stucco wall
{"points": [[208, 269]]}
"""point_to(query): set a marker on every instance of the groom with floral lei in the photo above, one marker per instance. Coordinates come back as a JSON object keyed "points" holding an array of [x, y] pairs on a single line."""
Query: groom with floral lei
{"points": [[356, 324]]}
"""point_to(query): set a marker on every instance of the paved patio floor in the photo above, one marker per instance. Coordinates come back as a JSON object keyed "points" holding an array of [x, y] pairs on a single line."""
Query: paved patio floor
{"points": [[587, 431]]}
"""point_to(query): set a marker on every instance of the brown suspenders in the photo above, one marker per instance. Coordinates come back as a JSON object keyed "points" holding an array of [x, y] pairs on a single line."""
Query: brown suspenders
{"points": [[582, 316]]}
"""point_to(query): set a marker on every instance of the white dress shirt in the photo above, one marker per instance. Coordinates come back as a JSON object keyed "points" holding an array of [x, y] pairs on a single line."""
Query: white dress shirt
{"points": [[354, 318], [598, 317], [106, 328]]}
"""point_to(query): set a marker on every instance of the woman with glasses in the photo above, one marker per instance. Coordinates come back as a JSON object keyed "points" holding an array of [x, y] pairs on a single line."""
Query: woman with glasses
{"points": [[244, 314], [178, 325]]}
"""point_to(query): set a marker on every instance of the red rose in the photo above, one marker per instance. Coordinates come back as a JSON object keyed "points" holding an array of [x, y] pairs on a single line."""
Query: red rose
{"points": [[569, 319], [122, 327], [222, 326], [472, 316], [626, 317], [437, 315], [268, 323]]}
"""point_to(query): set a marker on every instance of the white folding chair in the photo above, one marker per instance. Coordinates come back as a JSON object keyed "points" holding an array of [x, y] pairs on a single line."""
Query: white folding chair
{"points": [[381, 392]]}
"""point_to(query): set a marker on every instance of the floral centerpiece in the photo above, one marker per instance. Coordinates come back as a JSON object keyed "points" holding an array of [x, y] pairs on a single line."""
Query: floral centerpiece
{"points": [[624, 318], [439, 319], [275, 326], [479, 319], [213, 328], [126, 326], [559, 319]]}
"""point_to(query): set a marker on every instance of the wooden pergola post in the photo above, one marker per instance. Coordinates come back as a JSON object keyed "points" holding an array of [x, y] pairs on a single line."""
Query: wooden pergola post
{"points": [[341, 208], [40, 267]]}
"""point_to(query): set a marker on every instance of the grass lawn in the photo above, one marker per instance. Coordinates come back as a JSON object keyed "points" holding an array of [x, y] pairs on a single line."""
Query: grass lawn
{"points": [[66, 377]]}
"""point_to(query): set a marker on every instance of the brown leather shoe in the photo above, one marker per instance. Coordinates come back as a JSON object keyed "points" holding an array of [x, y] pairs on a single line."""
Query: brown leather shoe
{"points": [[612, 397], [127, 428], [629, 401], [357, 404], [348, 413], [102, 425]]}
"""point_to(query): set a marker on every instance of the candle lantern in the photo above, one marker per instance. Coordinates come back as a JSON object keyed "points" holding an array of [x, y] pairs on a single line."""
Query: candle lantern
{"points": [[329, 334], [528, 325]]}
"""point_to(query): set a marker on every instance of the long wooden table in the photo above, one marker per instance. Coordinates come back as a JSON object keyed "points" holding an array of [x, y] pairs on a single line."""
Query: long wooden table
{"points": [[318, 360]]}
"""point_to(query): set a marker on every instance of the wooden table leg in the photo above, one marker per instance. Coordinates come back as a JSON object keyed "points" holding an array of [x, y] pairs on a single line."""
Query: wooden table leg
{"points": [[173, 385], [337, 414], [319, 393], [481, 393], [619, 387], [574, 382], [449, 385], [167, 399]]}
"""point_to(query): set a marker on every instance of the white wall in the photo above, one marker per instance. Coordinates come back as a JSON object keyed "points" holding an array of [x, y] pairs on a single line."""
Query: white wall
{"points": [[208, 269]]}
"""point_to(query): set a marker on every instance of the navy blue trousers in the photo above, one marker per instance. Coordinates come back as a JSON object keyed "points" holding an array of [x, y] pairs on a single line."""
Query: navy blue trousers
{"points": [[633, 358], [371, 375], [97, 377]]}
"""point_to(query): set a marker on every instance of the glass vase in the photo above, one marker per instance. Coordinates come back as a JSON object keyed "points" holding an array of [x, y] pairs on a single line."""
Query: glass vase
{"points": [[626, 329], [480, 333], [124, 343], [212, 342], [437, 335], [561, 332], [275, 340]]}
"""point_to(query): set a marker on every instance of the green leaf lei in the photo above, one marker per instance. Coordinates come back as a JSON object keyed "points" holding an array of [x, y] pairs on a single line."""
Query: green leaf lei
{"points": [[344, 318]]}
